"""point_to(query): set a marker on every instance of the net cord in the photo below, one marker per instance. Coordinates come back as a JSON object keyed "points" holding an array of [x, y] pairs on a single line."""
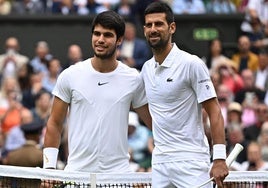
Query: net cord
{"points": [[74, 176], [95, 178]]}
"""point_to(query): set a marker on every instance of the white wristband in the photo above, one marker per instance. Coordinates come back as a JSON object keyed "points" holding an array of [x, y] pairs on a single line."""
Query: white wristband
{"points": [[50, 156], [219, 151]]}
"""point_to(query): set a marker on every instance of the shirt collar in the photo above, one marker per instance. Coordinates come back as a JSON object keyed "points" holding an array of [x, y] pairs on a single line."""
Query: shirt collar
{"points": [[170, 57]]}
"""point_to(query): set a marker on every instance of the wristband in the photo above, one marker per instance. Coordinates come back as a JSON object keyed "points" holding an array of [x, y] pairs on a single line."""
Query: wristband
{"points": [[50, 156], [219, 151]]}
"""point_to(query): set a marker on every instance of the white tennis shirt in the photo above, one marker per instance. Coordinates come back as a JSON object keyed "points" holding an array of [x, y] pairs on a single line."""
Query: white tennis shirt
{"points": [[174, 91], [98, 116]]}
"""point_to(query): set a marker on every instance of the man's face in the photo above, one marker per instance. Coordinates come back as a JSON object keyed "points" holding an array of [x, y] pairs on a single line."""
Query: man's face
{"points": [[157, 31], [104, 42]]}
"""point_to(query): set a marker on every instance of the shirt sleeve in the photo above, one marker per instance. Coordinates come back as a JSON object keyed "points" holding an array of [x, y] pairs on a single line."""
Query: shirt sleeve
{"points": [[62, 87], [139, 98], [201, 81]]}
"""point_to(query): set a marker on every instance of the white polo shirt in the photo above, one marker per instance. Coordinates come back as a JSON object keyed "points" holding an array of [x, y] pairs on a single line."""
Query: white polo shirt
{"points": [[174, 92], [98, 117]]}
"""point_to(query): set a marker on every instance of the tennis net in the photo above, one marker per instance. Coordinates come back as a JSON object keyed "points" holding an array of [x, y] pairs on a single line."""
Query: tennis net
{"points": [[27, 177]]}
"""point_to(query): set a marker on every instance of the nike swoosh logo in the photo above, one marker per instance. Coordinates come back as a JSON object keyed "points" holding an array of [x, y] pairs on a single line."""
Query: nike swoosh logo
{"points": [[169, 80], [103, 83]]}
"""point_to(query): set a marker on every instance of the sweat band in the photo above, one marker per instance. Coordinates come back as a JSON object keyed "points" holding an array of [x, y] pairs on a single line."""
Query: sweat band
{"points": [[219, 151], [50, 156]]}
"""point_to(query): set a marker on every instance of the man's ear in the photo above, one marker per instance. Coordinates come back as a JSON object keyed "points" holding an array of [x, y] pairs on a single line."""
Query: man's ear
{"points": [[119, 41], [172, 28]]}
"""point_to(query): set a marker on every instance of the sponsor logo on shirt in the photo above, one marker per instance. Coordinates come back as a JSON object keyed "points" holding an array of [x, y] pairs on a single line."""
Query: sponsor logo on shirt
{"points": [[102, 83], [169, 80], [202, 81]]}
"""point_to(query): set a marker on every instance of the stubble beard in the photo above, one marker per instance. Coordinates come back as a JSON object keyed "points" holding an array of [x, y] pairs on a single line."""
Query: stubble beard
{"points": [[161, 44], [107, 55]]}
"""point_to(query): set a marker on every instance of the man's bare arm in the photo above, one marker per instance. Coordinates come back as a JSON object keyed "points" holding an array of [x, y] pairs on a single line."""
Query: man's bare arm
{"points": [[145, 115]]}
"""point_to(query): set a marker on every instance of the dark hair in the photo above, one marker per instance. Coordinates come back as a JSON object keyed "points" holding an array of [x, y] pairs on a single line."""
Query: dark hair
{"points": [[110, 20], [160, 7], [40, 93]]}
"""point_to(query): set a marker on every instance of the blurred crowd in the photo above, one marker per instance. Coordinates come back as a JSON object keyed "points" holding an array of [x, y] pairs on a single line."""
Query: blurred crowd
{"points": [[123, 7], [240, 80]]}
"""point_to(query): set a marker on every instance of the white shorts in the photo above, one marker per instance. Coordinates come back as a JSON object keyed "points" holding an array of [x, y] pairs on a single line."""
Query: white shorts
{"points": [[181, 174]]}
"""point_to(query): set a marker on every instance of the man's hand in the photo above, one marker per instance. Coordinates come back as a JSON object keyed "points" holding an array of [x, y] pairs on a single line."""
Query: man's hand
{"points": [[219, 171]]}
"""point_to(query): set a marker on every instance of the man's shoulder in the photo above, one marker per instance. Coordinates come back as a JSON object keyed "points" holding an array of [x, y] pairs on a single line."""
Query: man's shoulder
{"points": [[125, 68], [78, 66]]}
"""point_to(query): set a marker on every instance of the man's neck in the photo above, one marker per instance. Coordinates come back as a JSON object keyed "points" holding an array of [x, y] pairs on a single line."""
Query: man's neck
{"points": [[161, 53], [104, 65]]}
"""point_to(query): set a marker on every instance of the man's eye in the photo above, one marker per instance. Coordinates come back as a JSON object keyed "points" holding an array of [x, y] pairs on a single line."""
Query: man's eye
{"points": [[96, 33]]}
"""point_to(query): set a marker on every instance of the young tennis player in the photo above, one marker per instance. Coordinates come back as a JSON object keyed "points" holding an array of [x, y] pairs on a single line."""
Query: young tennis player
{"points": [[97, 94], [178, 86]]}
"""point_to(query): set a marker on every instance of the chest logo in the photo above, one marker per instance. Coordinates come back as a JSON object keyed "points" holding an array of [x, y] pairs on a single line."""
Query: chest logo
{"points": [[169, 80], [102, 83]]}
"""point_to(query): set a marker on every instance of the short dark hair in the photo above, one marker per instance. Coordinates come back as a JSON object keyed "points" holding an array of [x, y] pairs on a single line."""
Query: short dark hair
{"points": [[160, 7], [110, 20]]}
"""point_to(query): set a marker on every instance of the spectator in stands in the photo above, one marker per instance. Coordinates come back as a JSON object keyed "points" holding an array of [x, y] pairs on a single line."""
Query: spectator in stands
{"points": [[138, 9], [261, 75], [74, 55], [249, 97], [249, 87], [234, 114], [11, 116], [263, 140], [49, 79], [80, 7], [259, 9], [241, 5], [62, 7], [254, 161], [255, 9], [244, 57], [23, 77], [11, 60], [30, 154], [28, 7], [235, 130], [257, 35], [188, 7], [42, 56], [28, 95], [84, 7], [252, 132], [133, 51], [215, 54], [41, 111], [95, 8], [125, 8], [5, 7], [215, 78], [138, 136], [227, 71], [221, 7], [225, 97], [235, 135], [9, 84], [15, 138], [109, 4]]}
